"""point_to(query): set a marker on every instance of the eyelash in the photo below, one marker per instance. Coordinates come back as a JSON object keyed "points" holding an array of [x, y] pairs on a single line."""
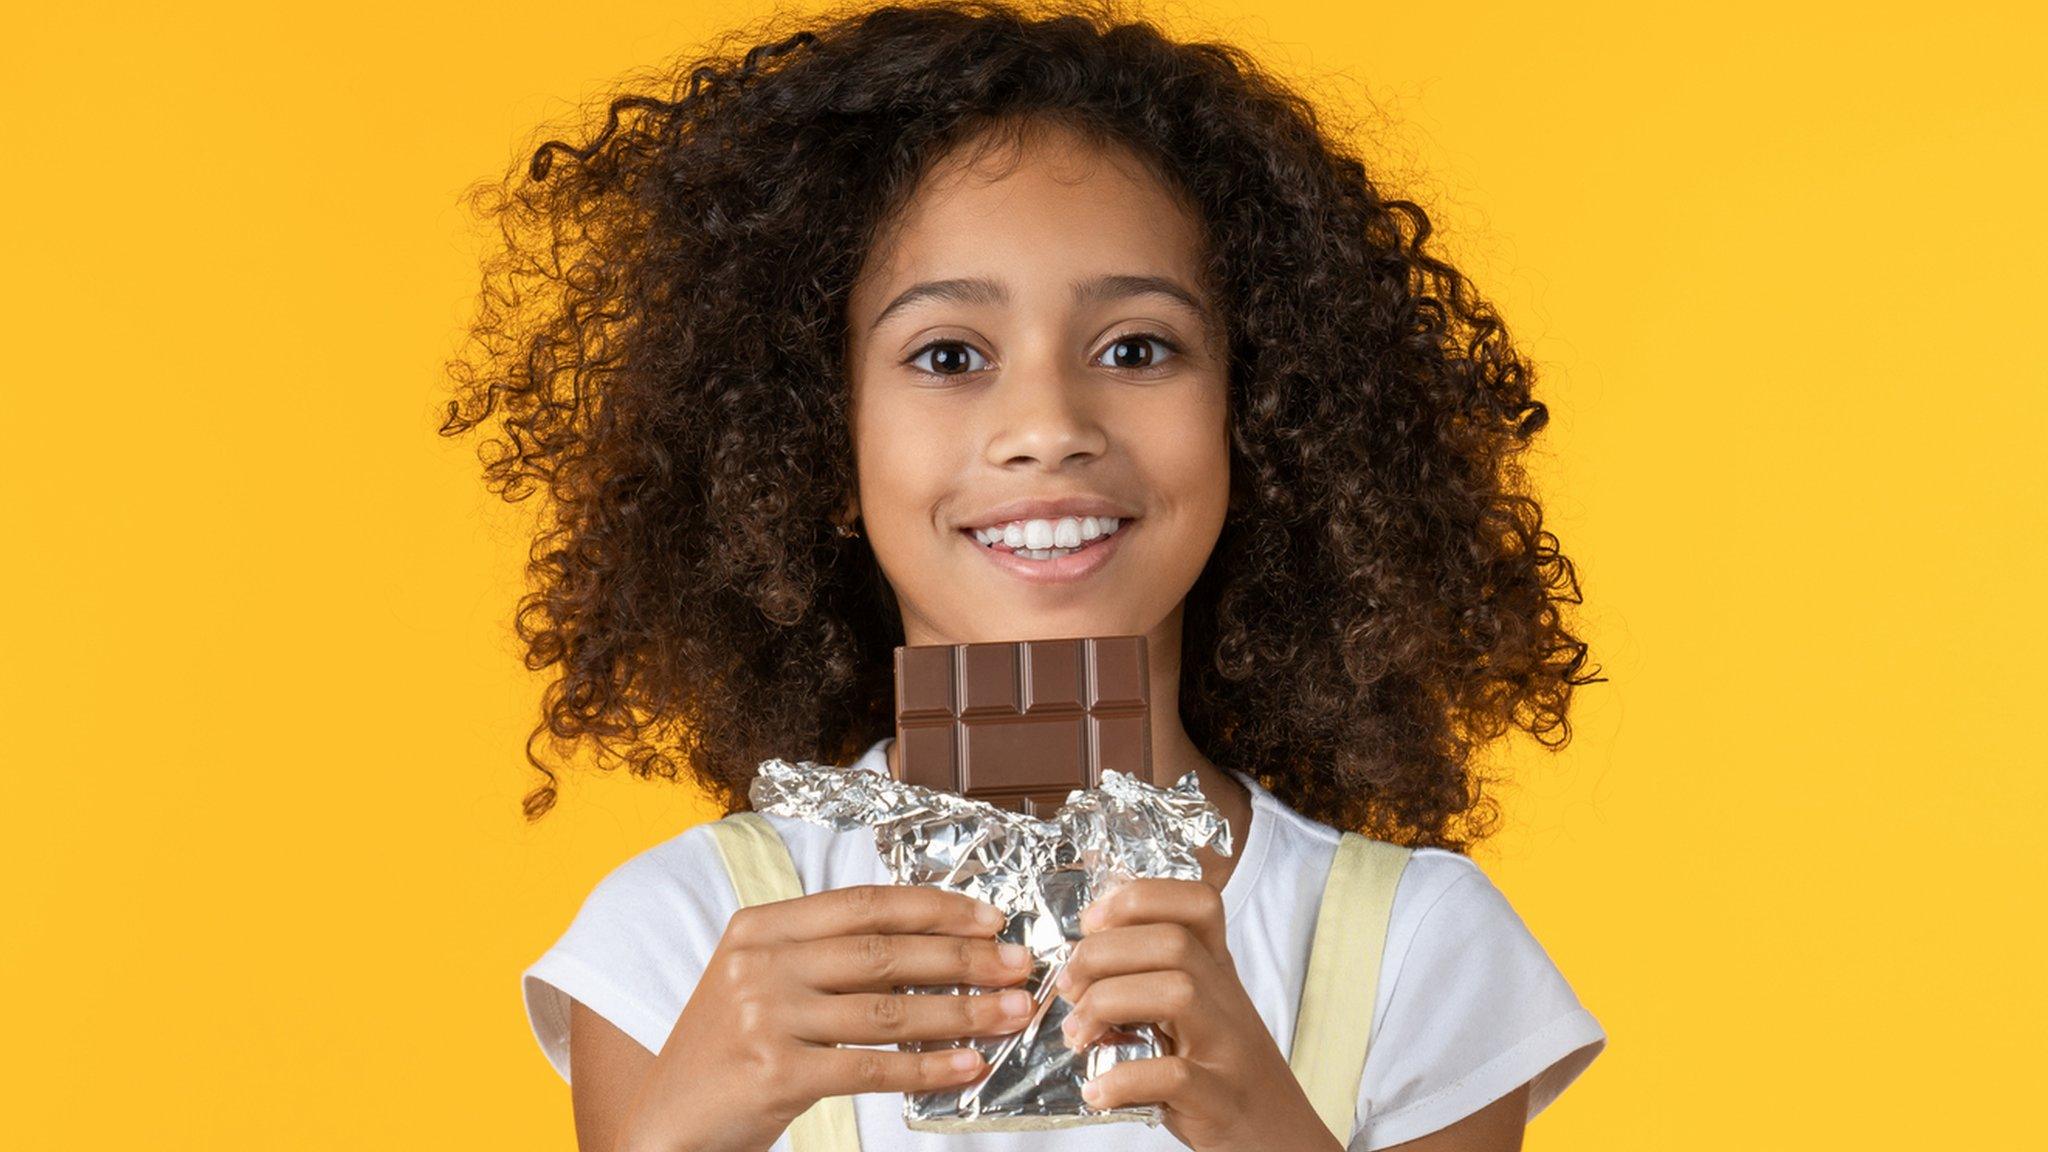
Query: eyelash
{"points": [[1127, 337]]}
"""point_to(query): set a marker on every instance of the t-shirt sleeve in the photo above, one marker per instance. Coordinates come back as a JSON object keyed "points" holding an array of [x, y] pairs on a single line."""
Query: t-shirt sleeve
{"points": [[636, 948], [1476, 1008]]}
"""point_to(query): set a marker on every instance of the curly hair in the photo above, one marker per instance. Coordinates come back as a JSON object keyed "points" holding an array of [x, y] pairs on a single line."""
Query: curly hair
{"points": [[661, 340]]}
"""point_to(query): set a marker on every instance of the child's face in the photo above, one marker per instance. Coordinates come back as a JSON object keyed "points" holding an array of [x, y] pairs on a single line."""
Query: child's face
{"points": [[1039, 395]]}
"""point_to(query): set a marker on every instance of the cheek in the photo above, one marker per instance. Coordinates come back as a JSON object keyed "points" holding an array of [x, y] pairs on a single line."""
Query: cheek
{"points": [[906, 461], [1192, 458]]}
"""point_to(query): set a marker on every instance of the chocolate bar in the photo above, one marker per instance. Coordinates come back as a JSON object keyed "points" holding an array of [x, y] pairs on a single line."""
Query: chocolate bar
{"points": [[1021, 723]]}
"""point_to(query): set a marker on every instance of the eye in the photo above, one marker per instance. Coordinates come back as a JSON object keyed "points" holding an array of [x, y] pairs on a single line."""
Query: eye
{"points": [[955, 357], [956, 360], [1139, 340]]}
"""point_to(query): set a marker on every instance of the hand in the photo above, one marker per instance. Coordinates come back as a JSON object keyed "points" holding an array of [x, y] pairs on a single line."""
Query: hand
{"points": [[1153, 951], [754, 1047]]}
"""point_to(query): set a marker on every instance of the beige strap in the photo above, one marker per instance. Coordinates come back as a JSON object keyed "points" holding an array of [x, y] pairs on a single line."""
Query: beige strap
{"points": [[762, 872], [1333, 1029]]}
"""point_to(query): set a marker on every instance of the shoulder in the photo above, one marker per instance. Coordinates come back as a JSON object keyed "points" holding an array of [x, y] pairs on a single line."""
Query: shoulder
{"points": [[1444, 899], [1296, 852], [1446, 896], [1468, 1004], [1469, 1007]]}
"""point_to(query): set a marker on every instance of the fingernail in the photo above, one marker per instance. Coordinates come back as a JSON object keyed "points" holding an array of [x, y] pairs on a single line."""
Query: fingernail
{"points": [[1013, 955], [989, 915], [1091, 1091], [1016, 1003], [965, 1058]]}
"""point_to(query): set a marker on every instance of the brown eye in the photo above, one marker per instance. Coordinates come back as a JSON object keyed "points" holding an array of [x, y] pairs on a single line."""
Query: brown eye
{"points": [[1132, 354], [951, 358]]}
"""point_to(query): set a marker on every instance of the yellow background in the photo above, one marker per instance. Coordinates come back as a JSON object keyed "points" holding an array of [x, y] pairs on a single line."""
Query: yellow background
{"points": [[267, 881]]}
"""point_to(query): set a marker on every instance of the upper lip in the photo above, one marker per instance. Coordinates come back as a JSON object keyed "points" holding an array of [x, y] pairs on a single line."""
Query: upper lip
{"points": [[1043, 509]]}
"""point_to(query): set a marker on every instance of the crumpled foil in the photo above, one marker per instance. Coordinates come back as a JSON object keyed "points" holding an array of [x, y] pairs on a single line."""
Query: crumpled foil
{"points": [[1042, 874]]}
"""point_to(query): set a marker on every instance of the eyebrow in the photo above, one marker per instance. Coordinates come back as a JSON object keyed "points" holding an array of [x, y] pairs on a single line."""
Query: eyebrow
{"points": [[982, 290]]}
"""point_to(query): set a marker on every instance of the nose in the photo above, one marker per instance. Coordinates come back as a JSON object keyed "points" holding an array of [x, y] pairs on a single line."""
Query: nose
{"points": [[1044, 416]]}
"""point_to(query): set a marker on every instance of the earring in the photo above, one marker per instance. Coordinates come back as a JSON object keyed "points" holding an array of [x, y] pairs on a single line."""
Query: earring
{"points": [[846, 531]]}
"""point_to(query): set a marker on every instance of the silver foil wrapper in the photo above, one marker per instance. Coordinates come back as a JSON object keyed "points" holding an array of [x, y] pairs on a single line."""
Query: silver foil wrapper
{"points": [[1042, 874]]}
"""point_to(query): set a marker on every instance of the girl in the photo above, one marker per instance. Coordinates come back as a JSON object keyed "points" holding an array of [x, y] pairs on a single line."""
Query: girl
{"points": [[958, 322]]}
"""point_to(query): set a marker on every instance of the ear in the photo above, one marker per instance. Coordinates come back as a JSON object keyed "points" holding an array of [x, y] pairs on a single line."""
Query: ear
{"points": [[843, 520]]}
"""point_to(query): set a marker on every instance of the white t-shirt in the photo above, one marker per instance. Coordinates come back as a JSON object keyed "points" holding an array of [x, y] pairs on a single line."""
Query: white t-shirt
{"points": [[1468, 1007]]}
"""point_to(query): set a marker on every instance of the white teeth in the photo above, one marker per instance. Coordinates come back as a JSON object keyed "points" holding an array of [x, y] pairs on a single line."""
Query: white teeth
{"points": [[1046, 539]]}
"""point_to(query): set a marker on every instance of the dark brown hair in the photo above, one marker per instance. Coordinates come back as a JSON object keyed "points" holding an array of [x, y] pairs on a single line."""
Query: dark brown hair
{"points": [[660, 342]]}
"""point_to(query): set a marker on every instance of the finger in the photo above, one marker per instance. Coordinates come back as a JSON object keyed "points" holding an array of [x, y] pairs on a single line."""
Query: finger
{"points": [[884, 1017], [1173, 1081], [1169, 999], [1191, 903], [877, 962], [1135, 948], [846, 1071], [864, 908]]}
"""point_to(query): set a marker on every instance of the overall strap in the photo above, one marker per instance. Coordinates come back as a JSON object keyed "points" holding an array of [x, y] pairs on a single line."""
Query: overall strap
{"points": [[762, 872], [1333, 1028]]}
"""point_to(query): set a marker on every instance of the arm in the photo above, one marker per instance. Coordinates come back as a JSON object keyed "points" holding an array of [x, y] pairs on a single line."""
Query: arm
{"points": [[1495, 1128], [608, 1068]]}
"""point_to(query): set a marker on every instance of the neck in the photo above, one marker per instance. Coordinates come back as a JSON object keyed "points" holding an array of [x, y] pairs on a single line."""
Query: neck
{"points": [[1174, 752]]}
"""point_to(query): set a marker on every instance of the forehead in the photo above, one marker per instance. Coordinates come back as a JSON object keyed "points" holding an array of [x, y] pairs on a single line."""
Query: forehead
{"points": [[1039, 214]]}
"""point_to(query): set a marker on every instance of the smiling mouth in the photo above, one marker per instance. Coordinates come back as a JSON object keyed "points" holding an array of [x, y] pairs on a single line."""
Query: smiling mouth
{"points": [[1015, 541]]}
